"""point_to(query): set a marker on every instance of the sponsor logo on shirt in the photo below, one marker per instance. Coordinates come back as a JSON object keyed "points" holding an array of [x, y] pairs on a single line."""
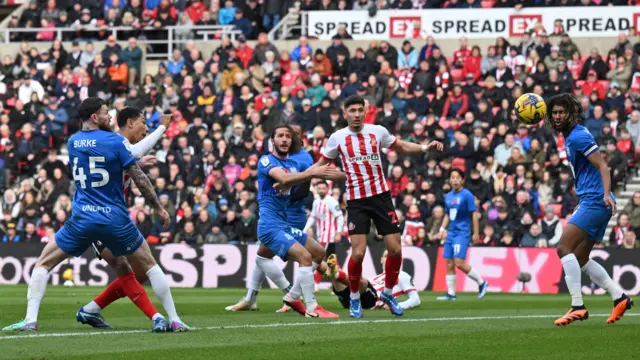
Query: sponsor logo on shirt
{"points": [[360, 159]]}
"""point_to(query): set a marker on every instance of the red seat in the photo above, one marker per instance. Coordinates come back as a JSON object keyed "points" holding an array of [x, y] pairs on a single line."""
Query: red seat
{"points": [[480, 83], [605, 83], [458, 163], [557, 209], [487, 3], [495, 110], [579, 83], [450, 60], [456, 75]]}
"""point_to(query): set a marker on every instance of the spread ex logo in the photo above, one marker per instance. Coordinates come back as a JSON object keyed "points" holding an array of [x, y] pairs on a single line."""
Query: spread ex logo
{"points": [[519, 24], [636, 20], [399, 25]]}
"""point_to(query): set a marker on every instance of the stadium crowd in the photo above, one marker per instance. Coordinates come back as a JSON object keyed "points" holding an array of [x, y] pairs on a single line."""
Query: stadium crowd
{"points": [[147, 18], [225, 105]]}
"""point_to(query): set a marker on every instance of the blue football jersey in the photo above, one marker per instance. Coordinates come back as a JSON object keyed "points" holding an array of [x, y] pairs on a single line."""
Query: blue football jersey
{"points": [[98, 159], [579, 145], [459, 206], [272, 204], [297, 213]]}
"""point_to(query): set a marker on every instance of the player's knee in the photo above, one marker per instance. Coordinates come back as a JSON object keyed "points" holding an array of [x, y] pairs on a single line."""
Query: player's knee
{"points": [[394, 251], [120, 265], [358, 254], [450, 265], [458, 263], [305, 259], [562, 251]]}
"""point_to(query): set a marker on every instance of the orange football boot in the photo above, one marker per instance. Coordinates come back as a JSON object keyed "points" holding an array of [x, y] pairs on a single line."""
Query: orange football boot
{"points": [[620, 307], [571, 316]]}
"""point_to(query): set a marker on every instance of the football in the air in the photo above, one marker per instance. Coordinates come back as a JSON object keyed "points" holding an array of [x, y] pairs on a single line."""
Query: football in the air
{"points": [[530, 109]]}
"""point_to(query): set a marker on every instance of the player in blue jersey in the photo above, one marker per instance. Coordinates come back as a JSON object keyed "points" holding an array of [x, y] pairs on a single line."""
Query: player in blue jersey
{"points": [[589, 221], [277, 175], [99, 160], [460, 214], [296, 217], [132, 125]]}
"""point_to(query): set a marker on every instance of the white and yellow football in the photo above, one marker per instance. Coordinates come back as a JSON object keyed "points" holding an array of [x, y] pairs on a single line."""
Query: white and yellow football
{"points": [[530, 109]]}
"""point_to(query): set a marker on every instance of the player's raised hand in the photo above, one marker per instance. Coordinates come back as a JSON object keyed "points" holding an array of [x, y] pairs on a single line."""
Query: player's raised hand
{"points": [[147, 160], [609, 203], [165, 119], [164, 216], [435, 146]]}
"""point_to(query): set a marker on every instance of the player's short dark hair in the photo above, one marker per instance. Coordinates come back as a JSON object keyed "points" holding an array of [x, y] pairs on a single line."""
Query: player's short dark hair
{"points": [[296, 144], [89, 107], [456, 171], [571, 105], [353, 100], [127, 113]]}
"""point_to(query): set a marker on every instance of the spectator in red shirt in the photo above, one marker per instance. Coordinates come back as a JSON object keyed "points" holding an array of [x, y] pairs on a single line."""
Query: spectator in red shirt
{"points": [[244, 52], [592, 84], [195, 10], [472, 64], [461, 55], [457, 103], [398, 181]]}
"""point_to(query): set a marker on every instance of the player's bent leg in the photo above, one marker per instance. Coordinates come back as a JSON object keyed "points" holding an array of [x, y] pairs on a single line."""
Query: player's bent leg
{"points": [[392, 270], [143, 258], [571, 238], [299, 253], [461, 264], [50, 257]]}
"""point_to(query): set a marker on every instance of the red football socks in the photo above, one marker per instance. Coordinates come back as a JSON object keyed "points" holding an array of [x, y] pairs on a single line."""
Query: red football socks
{"points": [[136, 293], [355, 272], [127, 286], [392, 269], [112, 293], [317, 277], [342, 276]]}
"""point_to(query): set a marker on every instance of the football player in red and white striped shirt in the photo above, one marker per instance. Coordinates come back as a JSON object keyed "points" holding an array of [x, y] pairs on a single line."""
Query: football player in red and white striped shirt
{"points": [[368, 198], [326, 216]]}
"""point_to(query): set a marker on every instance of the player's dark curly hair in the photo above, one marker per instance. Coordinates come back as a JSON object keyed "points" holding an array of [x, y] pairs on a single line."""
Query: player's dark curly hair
{"points": [[571, 105], [296, 144]]}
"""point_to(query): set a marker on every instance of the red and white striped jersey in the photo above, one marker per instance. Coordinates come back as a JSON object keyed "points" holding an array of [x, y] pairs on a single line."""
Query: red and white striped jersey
{"points": [[402, 287], [327, 216], [360, 155]]}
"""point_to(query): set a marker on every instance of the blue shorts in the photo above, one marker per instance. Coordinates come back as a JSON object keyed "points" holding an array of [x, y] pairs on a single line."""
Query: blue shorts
{"points": [[77, 235], [280, 241], [455, 250], [592, 219]]}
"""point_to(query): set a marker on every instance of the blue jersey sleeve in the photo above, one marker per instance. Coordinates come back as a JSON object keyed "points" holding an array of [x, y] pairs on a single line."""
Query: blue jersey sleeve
{"points": [[471, 202], [585, 143], [124, 154], [265, 165]]}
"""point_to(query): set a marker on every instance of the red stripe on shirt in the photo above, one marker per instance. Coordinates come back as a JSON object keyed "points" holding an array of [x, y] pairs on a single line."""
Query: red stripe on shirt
{"points": [[356, 168], [367, 165], [381, 178], [351, 193]]}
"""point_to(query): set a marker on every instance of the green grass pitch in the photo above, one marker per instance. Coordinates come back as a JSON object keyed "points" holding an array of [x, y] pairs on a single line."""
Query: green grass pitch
{"points": [[501, 326]]}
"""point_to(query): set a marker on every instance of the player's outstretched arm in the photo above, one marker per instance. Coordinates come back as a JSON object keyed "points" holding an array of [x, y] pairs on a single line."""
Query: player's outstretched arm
{"points": [[146, 189], [287, 179], [598, 162], [405, 147], [339, 175]]}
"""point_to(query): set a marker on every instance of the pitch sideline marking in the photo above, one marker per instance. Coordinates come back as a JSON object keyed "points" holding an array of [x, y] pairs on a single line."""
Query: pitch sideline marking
{"points": [[294, 324]]}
